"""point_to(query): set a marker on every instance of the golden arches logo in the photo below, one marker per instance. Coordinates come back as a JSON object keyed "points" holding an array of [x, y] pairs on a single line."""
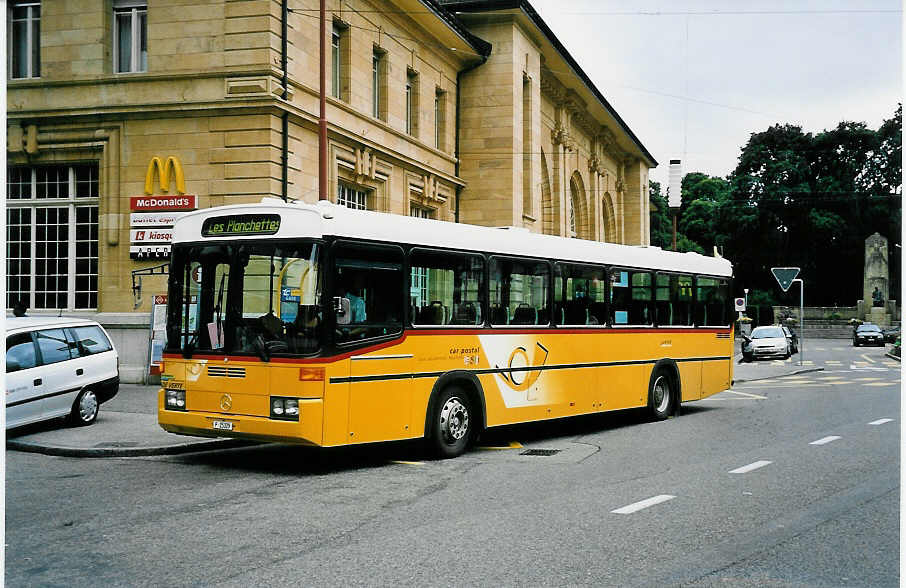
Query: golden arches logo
{"points": [[164, 169], [521, 377]]}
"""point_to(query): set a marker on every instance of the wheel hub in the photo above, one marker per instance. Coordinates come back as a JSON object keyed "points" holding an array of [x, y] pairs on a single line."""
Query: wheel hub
{"points": [[88, 406], [661, 394], [454, 420]]}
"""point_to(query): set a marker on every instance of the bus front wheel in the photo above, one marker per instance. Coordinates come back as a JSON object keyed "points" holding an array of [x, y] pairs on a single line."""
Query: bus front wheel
{"points": [[453, 423], [661, 395]]}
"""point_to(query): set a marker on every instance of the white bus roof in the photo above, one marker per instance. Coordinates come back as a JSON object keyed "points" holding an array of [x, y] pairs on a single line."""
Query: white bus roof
{"points": [[301, 220]]}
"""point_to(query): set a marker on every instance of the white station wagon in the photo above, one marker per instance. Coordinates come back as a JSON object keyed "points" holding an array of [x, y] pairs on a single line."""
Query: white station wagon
{"points": [[56, 367]]}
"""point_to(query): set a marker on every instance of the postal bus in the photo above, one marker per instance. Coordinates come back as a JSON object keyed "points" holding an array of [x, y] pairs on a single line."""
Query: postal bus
{"points": [[322, 325]]}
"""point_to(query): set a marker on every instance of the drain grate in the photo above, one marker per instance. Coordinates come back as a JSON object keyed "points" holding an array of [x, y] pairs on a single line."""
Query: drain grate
{"points": [[540, 452]]}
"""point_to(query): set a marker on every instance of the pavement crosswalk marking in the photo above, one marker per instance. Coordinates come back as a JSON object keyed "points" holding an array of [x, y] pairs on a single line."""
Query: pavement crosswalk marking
{"points": [[880, 384], [747, 395], [868, 359], [642, 504], [825, 440], [879, 422], [751, 467]]}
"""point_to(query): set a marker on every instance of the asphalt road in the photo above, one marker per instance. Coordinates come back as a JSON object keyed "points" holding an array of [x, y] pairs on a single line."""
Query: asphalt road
{"points": [[782, 482]]}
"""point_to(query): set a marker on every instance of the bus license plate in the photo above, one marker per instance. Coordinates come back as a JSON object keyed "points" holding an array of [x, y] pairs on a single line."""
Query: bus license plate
{"points": [[223, 425]]}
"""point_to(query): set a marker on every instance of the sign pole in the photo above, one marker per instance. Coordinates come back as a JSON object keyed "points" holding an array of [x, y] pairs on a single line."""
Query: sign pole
{"points": [[785, 277], [801, 318]]}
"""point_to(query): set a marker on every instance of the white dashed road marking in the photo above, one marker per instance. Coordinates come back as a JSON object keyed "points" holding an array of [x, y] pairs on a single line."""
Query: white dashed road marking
{"points": [[642, 504], [825, 440], [752, 466], [747, 395], [880, 422]]}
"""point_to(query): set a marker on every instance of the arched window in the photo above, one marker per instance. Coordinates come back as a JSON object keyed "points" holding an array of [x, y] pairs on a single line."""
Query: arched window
{"points": [[609, 219], [579, 224]]}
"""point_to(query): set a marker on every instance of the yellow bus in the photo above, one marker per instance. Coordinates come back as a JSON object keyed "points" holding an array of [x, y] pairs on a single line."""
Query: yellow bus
{"points": [[326, 326]]}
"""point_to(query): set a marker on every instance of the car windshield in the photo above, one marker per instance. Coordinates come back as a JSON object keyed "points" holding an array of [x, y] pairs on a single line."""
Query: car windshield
{"points": [[767, 333], [868, 329], [261, 298]]}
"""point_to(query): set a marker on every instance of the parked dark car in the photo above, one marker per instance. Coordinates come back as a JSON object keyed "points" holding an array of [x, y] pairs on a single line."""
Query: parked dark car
{"points": [[868, 334], [891, 334], [793, 338]]}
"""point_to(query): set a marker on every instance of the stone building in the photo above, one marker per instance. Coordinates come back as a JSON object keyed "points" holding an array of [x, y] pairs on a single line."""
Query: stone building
{"points": [[481, 117]]}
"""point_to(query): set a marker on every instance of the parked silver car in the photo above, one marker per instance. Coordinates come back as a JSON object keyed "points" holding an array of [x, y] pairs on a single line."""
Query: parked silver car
{"points": [[57, 367]]}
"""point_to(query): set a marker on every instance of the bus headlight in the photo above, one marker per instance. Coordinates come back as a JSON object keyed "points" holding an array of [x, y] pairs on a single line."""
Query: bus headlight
{"points": [[284, 409], [176, 400]]}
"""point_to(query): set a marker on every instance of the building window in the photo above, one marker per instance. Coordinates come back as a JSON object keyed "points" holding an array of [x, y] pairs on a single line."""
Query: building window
{"points": [[440, 119], [339, 61], [412, 103], [335, 61], [24, 40], [352, 197], [421, 211], [130, 36], [52, 236], [379, 84]]}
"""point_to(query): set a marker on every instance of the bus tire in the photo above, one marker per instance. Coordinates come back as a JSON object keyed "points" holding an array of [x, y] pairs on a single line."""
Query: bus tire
{"points": [[452, 423], [661, 394]]}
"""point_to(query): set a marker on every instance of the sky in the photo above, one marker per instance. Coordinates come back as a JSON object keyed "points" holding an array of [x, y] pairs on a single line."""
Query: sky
{"points": [[694, 79]]}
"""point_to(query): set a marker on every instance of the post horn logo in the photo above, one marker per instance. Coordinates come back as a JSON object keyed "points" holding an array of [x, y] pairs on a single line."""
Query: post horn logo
{"points": [[164, 169], [521, 376], [226, 402]]}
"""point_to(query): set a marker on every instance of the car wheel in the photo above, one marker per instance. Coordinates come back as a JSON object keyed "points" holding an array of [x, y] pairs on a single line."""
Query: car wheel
{"points": [[85, 408], [855, 344], [661, 395], [453, 423]]}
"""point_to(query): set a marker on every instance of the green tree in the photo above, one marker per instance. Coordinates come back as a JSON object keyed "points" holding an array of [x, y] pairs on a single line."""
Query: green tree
{"points": [[661, 223], [810, 201]]}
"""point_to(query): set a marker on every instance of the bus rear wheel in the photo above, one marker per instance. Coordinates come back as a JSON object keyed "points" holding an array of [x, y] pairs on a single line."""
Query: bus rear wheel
{"points": [[453, 423], [661, 395]]}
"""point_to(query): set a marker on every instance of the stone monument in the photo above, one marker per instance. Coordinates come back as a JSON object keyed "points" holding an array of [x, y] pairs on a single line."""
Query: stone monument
{"points": [[876, 306]]}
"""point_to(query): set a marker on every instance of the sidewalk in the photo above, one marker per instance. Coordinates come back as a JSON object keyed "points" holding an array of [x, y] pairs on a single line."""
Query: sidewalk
{"points": [[766, 370], [127, 425]]}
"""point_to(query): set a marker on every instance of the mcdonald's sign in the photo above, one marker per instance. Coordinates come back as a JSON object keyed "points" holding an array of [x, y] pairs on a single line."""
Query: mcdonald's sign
{"points": [[165, 171]]}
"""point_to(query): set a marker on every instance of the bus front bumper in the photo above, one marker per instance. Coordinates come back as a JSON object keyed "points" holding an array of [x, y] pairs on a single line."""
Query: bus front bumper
{"points": [[307, 431]]}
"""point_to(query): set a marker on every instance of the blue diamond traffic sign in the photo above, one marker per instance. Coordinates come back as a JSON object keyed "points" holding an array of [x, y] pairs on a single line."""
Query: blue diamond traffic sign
{"points": [[785, 276]]}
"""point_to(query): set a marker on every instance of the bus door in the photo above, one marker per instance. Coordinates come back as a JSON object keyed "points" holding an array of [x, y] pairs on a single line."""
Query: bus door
{"points": [[367, 302]]}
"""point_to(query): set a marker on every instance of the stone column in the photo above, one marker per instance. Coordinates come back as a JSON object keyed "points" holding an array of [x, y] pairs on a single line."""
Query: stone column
{"points": [[875, 275]]}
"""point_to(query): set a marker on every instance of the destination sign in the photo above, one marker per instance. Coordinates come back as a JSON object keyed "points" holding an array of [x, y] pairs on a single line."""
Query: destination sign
{"points": [[240, 225]]}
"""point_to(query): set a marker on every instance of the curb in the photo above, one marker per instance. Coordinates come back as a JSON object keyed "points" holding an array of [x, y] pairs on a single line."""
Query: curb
{"points": [[796, 373], [128, 451], [892, 356]]}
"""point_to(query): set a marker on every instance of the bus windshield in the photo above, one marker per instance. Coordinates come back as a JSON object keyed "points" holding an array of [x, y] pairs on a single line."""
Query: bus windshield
{"points": [[256, 298]]}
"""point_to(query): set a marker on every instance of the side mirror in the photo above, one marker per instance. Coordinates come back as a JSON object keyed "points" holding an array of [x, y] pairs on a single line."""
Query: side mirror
{"points": [[341, 310]]}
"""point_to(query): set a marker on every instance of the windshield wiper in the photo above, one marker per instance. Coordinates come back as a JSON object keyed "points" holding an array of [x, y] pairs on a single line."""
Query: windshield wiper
{"points": [[220, 313]]}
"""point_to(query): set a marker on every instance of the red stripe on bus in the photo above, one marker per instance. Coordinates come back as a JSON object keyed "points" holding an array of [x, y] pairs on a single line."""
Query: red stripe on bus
{"points": [[422, 332]]}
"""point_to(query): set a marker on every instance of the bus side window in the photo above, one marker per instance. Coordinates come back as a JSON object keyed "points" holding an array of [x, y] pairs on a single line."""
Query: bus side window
{"points": [[712, 302], [580, 295], [445, 287], [673, 300], [370, 279], [518, 291]]}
